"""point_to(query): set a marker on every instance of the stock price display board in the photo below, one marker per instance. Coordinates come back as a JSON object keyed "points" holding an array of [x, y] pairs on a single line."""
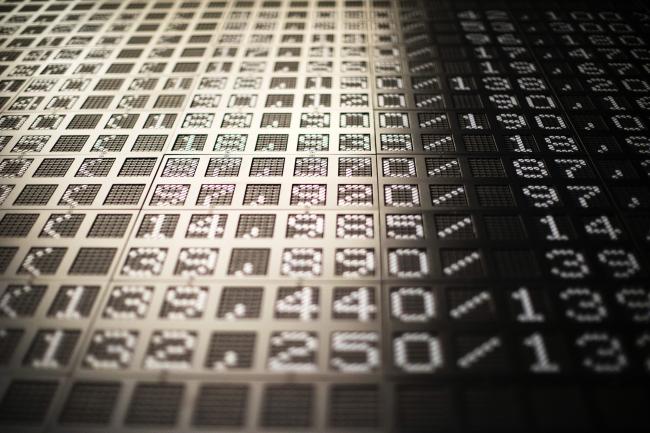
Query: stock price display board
{"points": [[324, 216]]}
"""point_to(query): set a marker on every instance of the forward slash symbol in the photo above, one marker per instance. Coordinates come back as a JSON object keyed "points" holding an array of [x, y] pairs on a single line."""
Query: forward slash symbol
{"points": [[470, 304], [454, 227], [433, 122], [427, 82], [429, 101], [479, 352], [462, 263], [449, 195], [442, 168]]}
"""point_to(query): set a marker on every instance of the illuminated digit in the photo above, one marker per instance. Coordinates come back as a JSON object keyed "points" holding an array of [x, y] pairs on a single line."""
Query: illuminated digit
{"points": [[607, 353], [588, 308], [528, 313], [638, 301], [356, 345], [555, 234], [542, 363], [425, 299], [401, 352], [568, 264]]}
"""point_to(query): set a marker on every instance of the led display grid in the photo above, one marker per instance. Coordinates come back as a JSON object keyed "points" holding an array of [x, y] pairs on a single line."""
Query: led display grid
{"points": [[324, 215]]}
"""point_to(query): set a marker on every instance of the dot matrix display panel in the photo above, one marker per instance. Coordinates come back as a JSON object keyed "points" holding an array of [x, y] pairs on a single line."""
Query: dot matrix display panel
{"points": [[315, 215]]}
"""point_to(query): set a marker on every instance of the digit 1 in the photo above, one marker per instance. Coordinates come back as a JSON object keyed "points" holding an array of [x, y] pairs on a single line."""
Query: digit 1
{"points": [[569, 40], [487, 67], [528, 313], [472, 121], [53, 342], [460, 83], [74, 295], [613, 103], [481, 53], [542, 364], [555, 234]]}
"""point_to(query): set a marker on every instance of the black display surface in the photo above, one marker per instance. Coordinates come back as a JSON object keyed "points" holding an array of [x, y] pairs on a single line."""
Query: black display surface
{"points": [[324, 216]]}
